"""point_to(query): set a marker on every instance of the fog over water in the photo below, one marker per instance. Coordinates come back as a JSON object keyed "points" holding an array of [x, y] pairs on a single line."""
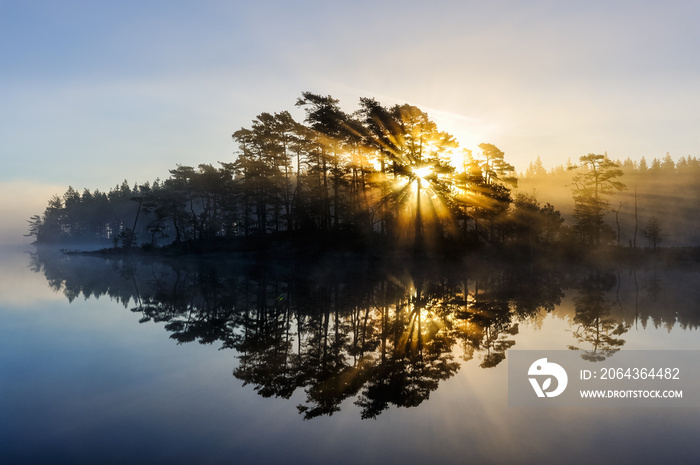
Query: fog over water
{"points": [[376, 351]]}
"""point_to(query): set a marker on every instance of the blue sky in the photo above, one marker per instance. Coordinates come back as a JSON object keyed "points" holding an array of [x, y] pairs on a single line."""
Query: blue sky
{"points": [[97, 92]]}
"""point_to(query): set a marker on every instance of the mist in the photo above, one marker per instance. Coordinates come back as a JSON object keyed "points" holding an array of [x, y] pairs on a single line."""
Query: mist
{"points": [[21, 200], [662, 189]]}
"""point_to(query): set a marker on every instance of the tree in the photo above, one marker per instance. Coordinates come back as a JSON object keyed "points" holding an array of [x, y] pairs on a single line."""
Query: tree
{"points": [[378, 172], [36, 225], [595, 180], [653, 232], [414, 162], [327, 121], [668, 166], [536, 169], [595, 326], [495, 167], [51, 226], [264, 170], [484, 188], [643, 167], [534, 224]]}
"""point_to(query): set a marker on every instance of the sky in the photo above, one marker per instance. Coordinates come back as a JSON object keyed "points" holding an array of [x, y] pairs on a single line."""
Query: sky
{"points": [[93, 92]]}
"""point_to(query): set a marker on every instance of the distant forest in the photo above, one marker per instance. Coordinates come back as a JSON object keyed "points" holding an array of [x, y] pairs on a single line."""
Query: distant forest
{"points": [[659, 205], [383, 176]]}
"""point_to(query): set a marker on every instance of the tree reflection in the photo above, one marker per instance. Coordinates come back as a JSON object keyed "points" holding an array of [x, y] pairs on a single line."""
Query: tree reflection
{"points": [[380, 335], [596, 328]]}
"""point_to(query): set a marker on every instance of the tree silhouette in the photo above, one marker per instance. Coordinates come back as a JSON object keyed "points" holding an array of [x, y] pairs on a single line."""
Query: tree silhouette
{"points": [[414, 164], [596, 327], [594, 181], [382, 176], [653, 232], [380, 337]]}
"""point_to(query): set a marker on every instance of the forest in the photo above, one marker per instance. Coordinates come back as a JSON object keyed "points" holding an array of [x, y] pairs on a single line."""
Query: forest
{"points": [[382, 178]]}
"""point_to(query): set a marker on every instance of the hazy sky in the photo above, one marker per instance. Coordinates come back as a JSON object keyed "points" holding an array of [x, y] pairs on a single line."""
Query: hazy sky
{"points": [[94, 92]]}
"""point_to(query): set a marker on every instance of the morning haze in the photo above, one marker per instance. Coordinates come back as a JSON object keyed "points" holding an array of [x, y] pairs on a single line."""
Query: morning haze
{"points": [[95, 95], [320, 232]]}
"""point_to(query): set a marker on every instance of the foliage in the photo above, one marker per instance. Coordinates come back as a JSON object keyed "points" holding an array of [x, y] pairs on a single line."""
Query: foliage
{"points": [[653, 232], [595, 180], [383, 174], [330, 333]]}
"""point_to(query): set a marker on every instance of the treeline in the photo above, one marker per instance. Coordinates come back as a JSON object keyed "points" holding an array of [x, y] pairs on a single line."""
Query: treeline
{"points": [[685, 166], [380, 172], [91, 215], [659, 205], [387, 176]]}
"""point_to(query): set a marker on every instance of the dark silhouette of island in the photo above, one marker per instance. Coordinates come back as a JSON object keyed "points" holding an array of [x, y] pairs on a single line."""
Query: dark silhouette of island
{"points": [[378, 181], [365, 255]]}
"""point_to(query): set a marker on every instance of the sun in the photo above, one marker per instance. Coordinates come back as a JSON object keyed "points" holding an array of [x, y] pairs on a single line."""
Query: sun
{"points": [[423, 172]]}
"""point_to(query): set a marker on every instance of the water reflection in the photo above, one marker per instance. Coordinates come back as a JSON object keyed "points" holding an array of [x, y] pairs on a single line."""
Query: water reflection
{"points": [[596, 329], [380, 335]]}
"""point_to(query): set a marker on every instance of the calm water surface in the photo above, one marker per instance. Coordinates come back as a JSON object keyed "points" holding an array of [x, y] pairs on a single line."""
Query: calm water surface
{"points": [[214, 361]]}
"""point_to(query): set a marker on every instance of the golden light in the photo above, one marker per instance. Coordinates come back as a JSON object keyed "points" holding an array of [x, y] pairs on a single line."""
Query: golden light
{"points": [[426, 314], [423, 172]]}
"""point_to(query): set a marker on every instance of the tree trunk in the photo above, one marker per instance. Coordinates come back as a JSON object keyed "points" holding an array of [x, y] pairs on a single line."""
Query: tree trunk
{"points": [[636, 222]]}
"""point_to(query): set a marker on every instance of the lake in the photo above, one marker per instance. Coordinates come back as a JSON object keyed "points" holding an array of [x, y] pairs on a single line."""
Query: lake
{"points": [[217, 360]]}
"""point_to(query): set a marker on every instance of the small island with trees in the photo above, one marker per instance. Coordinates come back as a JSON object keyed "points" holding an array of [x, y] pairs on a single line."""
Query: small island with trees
{"points": [[362, 256], [381, 180]]}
